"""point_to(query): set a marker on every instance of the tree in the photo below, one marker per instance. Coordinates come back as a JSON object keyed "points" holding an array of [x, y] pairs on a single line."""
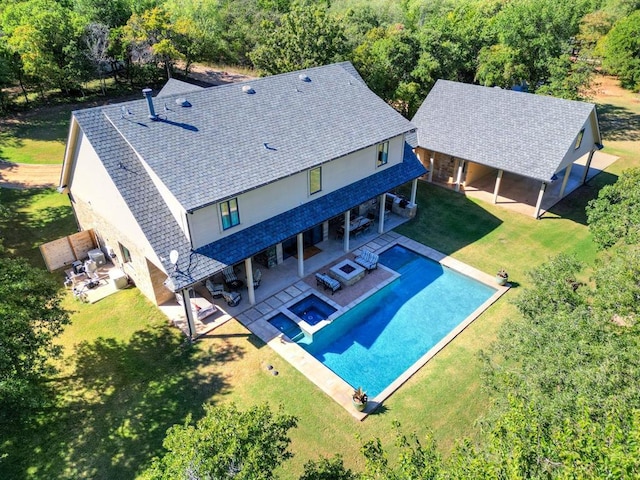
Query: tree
{"points": [[31, 317], [386, 60], [152, 37], [306, 36], [615, 215], [327, 469], [621, 51], [226, 443], [46, 37]]}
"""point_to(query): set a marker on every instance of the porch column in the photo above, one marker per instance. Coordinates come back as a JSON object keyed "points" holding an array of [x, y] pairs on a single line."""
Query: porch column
{"points": [[567, 173], [431, 161], [414, 189], [496, 190], [300, 255], [186, 301], [543, 187], [248, 268], [345, 237], [459, 176], [381, 207], [586, 169]]}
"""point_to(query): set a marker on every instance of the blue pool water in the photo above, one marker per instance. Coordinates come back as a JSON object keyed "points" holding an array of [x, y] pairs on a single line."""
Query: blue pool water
{"points": [[375, 342], [312, 309], [287, 326]]}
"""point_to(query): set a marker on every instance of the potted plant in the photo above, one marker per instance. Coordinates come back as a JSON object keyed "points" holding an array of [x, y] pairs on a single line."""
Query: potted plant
{"points": [[359, 399], [502, 276]]}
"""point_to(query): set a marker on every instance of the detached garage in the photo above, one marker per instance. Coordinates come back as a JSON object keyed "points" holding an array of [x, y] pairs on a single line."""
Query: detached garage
{"points": [[474, 137]]}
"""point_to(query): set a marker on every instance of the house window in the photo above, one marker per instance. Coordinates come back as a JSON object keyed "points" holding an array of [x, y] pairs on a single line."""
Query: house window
{"points": [[126, 254], [579, 139], [315, 180], [383, 154], [229, 213]]}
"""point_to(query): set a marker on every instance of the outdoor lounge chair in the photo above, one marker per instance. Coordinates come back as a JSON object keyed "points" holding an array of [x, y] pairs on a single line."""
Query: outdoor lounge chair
{"points": [[232, 298], [200, 306], [215, 289], [229, 274], [327, 282], [367, 260]]}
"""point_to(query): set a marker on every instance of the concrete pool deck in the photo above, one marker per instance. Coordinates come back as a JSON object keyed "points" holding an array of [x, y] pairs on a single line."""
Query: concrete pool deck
{"points": [[256, 318]]}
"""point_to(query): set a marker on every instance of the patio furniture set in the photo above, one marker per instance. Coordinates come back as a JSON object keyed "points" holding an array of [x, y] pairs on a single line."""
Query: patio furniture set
{"points": [[229, 289], [357, 226], [347, 272]]}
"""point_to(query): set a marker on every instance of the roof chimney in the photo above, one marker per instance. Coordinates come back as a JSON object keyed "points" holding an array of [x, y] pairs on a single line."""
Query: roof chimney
{"points": [[147, 94]]}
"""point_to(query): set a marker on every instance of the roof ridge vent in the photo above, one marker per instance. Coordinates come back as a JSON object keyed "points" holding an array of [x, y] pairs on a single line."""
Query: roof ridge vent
{"points": [[304, 77], [248, 89]]}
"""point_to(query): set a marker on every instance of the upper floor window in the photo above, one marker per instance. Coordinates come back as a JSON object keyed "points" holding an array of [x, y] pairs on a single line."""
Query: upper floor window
{"points": [[229, 213], [383, 153], [315, 180], [579, 139]]}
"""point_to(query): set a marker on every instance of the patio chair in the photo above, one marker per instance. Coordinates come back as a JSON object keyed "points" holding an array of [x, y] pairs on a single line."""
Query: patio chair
{"points": [[215, 289], [327, 282], [367, 260], [257, 278], [232, 298], [229, 274]]}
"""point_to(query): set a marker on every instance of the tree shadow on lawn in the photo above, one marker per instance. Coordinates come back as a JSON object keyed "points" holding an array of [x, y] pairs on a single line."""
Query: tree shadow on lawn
{"points": [[114, 410], [24, 231], [446, 220], [574, 205], [618, 123]]}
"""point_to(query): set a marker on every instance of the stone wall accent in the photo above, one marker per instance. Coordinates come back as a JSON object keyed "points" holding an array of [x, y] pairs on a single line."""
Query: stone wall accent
{"points": [[110, 236]]}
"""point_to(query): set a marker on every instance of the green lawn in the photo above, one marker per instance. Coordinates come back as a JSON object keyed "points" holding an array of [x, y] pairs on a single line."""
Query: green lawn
{"points": [[127, 376], [35, 137]]}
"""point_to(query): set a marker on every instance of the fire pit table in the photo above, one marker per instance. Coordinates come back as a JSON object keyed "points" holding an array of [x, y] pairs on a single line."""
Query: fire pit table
{"points": [[347, 272]]}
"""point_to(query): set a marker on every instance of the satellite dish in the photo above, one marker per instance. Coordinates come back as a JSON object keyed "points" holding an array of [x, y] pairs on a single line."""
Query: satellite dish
{"points": [[173, 256]]}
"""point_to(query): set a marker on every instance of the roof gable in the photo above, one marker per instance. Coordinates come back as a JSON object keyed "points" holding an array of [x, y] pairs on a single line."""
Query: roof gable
{"points": [[230, 141], [519, 132]]}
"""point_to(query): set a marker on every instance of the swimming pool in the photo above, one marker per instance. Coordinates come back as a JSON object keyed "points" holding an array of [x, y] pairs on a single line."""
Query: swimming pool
{"points": [[372, 344]]}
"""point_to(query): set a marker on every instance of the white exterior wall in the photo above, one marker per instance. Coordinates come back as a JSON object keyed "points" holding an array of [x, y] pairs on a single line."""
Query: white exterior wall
{"points": [[91, 183], [258, 205], [590, 137]]}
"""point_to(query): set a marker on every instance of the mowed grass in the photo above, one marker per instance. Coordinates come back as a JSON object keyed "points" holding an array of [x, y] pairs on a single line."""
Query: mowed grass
{"points": [[37, 137], [127, 376]]}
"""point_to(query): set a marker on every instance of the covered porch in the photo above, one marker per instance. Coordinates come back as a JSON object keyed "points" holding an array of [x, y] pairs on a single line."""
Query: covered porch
{"points": [[527, 195]]}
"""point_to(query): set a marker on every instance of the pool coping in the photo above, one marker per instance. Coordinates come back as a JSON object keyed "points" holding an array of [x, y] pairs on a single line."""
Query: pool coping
{"points": [[324, 378]]}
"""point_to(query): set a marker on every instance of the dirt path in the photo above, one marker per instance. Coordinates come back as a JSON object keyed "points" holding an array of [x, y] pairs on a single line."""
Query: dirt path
{"points": [[20, 175]]}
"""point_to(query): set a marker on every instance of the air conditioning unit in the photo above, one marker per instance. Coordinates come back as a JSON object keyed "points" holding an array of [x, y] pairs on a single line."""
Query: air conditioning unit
{"points": [[97, 256]]}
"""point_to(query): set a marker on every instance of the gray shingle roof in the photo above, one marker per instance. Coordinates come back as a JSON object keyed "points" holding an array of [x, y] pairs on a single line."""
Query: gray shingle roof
{"points": [[517, 132], [216, 149], [177, 87]]}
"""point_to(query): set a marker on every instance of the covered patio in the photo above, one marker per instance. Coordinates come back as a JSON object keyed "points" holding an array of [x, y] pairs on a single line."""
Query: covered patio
{"points": [[520, 194]]}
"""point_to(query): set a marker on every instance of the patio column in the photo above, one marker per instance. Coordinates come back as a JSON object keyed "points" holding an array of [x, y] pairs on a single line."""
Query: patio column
{"points": [[345, 237], [543, 187], [248, 268], [186, 301], [567, 173], [381, 207], [459, 176], [414, 189], [300, 255], [496, 190], [431, 161], [586, 168]]}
